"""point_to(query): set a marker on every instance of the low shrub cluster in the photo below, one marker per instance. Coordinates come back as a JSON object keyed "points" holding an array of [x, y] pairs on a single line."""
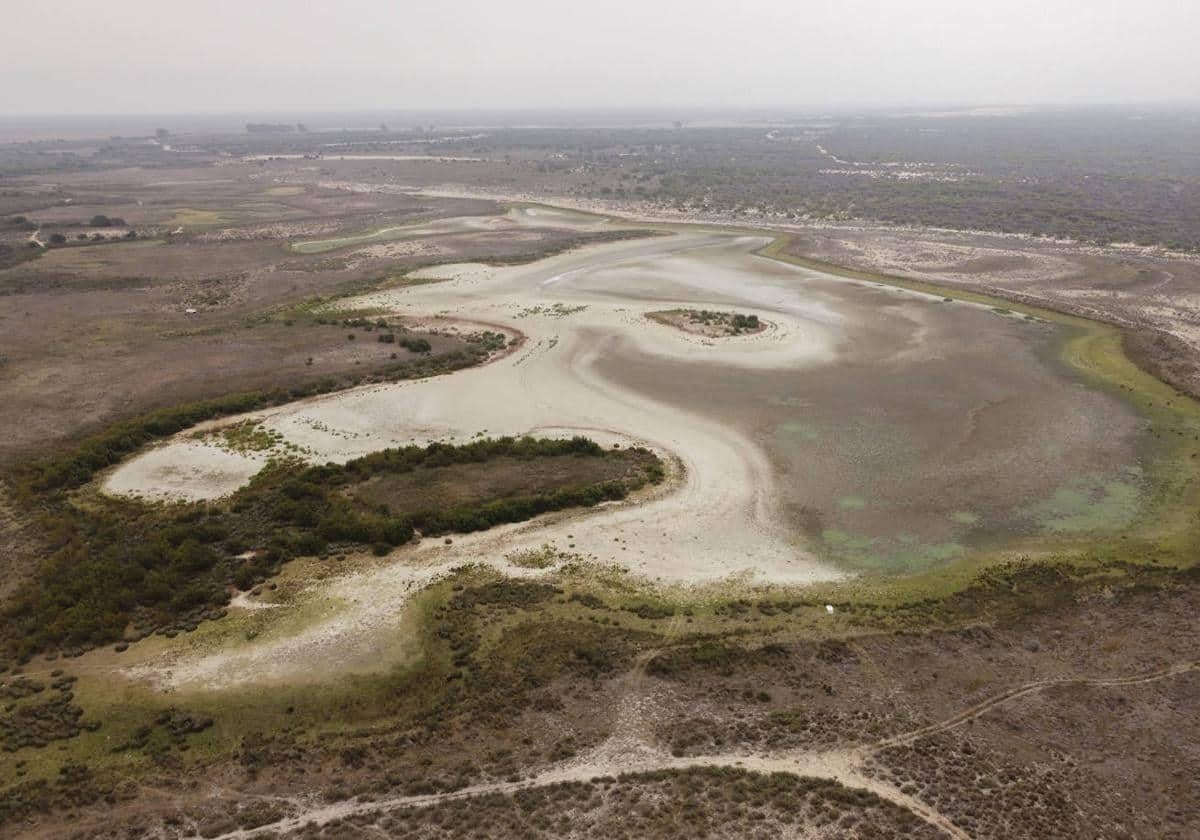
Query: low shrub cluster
{"points": [[494, 675], [35, 714], [697, 802], [100, 220], [415, 345], [745, 322], [173, 725], [729, 323], [411, 343], [76, 786], [21, 223]]}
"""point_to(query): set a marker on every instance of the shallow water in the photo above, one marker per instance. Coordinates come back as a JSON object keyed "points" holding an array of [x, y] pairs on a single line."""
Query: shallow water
{"points": [[938, 427]]}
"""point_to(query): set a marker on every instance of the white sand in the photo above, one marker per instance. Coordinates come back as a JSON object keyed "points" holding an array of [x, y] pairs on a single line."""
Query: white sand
{"points": [[183, 470]]}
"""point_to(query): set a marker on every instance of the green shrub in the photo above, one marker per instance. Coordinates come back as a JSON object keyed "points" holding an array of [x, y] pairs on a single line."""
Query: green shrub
{"points": [[416, 345]]}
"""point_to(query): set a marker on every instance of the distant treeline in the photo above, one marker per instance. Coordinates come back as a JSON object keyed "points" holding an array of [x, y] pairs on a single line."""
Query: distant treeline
{"points": [[1100, 175], [270, 128]]}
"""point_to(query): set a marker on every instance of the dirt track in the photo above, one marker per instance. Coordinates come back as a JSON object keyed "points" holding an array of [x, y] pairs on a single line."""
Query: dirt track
{"points": [[629, 751]]}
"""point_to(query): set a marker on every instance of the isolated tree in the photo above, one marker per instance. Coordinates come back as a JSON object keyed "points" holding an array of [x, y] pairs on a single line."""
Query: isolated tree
{"points": [[57, 239]]}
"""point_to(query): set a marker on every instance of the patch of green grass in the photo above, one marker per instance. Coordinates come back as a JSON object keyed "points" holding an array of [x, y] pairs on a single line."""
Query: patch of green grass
{"points": [[388, 234], [536, 558], [186, 216], [245, 436]]}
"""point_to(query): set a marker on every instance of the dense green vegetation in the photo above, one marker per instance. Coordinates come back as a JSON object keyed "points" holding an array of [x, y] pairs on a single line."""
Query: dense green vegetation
{"points": [[745, 322], [736, 321], [1040, 172], [731, 323], [100, 220], [122, 569]]}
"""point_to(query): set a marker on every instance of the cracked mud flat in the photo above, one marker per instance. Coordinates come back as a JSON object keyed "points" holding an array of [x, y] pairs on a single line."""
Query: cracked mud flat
{"points": [[774, 436]]}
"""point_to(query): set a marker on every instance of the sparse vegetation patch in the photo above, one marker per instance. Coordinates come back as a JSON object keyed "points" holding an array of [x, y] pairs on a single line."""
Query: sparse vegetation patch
{"points": [[709, 323]]}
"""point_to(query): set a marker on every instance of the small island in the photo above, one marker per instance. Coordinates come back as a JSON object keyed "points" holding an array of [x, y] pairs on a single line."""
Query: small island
{"points": [[708, 323]]}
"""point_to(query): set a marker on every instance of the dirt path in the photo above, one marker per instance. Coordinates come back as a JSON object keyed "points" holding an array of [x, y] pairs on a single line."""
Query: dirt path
{"points": [[630, 749], [985, 706]]}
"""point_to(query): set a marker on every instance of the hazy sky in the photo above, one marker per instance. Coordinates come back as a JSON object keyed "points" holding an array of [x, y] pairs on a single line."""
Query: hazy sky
{"points": [[139, 56]]}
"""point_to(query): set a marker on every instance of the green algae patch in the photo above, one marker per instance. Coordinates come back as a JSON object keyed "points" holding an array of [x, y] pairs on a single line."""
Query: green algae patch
{"points": [[1088, 504], [796, 430], [904, 554], [190, 216]]}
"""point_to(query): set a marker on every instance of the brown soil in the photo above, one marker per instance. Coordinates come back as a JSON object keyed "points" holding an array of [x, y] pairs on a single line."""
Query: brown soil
{"points": [[90, 334], [1155, 296], [440, 488]]}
